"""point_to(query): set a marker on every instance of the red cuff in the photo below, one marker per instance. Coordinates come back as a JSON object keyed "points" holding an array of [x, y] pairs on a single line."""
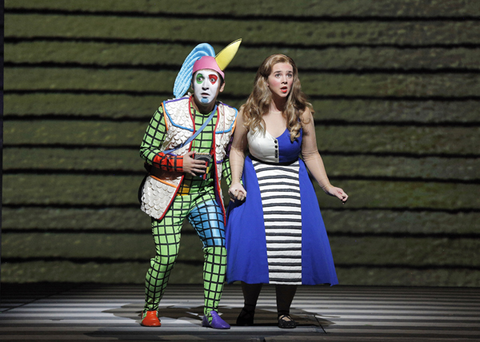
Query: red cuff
{"points": [[168, 162]]}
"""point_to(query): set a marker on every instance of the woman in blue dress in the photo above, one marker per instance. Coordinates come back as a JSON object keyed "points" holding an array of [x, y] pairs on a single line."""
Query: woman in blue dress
{"points": [[275, 232]]}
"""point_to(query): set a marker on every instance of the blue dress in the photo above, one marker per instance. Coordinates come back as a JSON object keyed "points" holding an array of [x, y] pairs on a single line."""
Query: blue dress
{"points": [[277, 235]]}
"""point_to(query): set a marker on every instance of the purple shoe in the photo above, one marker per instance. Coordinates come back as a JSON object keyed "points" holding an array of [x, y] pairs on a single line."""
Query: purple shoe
{"points": [[217, 322]]}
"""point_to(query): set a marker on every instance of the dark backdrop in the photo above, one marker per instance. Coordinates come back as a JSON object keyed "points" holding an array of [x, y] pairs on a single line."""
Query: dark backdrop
{"points": [[395, 86]]}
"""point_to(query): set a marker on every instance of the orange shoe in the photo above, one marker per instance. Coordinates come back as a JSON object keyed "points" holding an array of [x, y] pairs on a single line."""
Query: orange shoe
{"points": [[150, 319]]}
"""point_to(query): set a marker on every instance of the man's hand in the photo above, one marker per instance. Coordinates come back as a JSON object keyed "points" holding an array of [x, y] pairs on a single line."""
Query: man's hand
{"points": [[193, 166]]}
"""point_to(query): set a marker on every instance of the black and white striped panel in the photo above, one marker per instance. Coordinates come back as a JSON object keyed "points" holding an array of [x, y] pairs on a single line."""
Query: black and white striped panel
{"points": [[280, 193]]}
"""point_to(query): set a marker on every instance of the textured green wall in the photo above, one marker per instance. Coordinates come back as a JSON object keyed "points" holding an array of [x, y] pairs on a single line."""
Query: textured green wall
{"points": [[396, 90]]}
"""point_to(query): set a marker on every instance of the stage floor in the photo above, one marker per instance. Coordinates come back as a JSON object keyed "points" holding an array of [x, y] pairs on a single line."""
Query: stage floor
{"points": [[97, 312]]}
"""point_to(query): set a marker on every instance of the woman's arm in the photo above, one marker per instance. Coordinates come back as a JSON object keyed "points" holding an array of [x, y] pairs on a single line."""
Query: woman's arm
{"points": [[237, 159], [314, 161]]}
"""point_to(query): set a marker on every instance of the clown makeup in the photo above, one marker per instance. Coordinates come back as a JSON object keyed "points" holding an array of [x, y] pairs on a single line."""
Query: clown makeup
{"points": [[206, 85]]}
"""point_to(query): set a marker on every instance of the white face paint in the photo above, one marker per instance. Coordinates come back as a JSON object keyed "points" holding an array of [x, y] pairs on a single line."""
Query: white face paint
{"points": [[205, 85]]}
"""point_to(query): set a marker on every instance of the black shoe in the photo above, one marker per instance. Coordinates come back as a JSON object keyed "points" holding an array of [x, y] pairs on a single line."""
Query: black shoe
{"points": [[245, 318], [286, 322]]}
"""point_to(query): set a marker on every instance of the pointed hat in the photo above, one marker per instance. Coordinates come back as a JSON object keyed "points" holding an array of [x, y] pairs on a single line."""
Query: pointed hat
{"points": [[201, 57]]}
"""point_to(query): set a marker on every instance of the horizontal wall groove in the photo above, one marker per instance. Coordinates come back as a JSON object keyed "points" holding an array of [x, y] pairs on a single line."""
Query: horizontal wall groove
{"points": [[322, 152], [117, 172], [16, 260], [175, 67], [84, 172], [249, 17], [70, 206], [231, 97], [74, 146], [318, 122], [74, 117], [137, 206], [145, 231], [348, 234], [402, 235], [409, 266], [186, 42], [333, 122], [405, 209], [399, 154], [96, 66], [90, 92], [404, 179]]}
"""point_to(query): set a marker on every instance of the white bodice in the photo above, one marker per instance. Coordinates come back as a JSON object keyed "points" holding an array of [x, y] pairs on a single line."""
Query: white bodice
{"points": [[263, 146]]}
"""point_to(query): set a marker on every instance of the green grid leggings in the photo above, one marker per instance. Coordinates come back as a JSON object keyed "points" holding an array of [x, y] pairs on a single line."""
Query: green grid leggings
{"points": [[206, 217]]}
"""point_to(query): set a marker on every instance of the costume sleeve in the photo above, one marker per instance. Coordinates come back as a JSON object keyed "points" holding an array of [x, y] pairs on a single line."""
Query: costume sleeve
{"points": [[227, 171], [150, 149]]}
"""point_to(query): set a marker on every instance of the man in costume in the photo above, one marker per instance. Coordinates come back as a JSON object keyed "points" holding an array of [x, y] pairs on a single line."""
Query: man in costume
{"points": [[180, 185]]}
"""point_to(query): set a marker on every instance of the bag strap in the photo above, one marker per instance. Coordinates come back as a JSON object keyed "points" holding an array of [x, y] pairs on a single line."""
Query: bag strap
{"points": [[194, 135]]}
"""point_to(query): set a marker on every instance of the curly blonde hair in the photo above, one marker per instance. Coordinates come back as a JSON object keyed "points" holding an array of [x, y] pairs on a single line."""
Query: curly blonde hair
{"points": [[258, 102]]}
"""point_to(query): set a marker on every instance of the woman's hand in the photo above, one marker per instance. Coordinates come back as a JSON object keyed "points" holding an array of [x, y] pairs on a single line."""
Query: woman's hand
{"points": [[337, 192], [193, 166], [237, 192]]}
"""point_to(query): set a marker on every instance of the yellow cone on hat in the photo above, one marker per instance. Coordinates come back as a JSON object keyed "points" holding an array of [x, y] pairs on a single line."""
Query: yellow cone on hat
{"points": [[225, 56]]}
